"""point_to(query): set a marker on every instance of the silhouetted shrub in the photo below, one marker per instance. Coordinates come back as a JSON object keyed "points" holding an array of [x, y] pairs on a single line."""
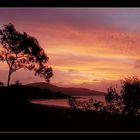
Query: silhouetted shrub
{"points": [[86, 105], [1, 83], [114, 101], [72, 103]]}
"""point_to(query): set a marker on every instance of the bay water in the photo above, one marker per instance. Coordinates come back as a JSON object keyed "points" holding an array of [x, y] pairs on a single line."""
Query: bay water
{"points": [[64, 102]]}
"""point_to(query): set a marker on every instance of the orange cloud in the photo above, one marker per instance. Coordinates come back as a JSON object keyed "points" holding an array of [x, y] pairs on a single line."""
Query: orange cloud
{"points": [[82, 53]]}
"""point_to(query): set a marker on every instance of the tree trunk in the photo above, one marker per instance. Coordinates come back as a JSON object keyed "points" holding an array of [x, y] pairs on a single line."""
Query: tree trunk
{"points": [[9, 76]]}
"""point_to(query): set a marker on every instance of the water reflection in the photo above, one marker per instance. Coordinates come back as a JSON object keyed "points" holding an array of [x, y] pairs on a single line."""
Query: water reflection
{"points": [[64, 102]]}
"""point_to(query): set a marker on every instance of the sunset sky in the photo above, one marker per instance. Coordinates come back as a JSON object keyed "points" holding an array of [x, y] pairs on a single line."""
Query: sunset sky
{"points": [[87, 47]]}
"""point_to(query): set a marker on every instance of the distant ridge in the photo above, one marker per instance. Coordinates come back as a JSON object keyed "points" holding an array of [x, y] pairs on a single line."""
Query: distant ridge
{"points": [[71, 91]]}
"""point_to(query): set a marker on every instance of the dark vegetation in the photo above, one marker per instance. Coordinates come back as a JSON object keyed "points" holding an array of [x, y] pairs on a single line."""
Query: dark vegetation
{"points": [[18, 114], [127, 102], [121, 112], [27, 92]]}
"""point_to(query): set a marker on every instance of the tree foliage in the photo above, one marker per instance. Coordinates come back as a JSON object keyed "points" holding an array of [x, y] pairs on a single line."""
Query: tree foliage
{"points": [[131, 94], [114, 101], [20, 50]]}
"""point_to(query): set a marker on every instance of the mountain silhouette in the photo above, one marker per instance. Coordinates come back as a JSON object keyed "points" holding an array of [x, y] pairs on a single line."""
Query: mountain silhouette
{"points": [[71, 91]]}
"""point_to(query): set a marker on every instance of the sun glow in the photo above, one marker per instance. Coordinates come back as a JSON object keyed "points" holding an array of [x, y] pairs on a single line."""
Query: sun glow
{"points": [[91, 47]]}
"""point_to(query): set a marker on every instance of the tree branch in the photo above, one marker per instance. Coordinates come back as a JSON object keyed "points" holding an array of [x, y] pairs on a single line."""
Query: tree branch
{"points": [[7, 61]]}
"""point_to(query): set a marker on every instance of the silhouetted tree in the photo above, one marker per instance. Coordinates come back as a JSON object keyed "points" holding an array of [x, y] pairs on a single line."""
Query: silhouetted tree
{"points": [[114, 101], [131, 94], [19, 50]]}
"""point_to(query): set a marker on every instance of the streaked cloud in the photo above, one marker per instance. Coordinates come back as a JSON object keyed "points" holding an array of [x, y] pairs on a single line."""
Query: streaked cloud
{"points": [[86, 46]]}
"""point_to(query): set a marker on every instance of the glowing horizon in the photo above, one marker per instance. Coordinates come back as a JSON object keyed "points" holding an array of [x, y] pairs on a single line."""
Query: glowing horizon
{"points": [[88, 47]]}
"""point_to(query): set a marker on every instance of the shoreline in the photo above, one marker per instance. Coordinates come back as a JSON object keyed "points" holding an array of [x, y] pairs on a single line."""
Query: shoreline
{"points": [[50, 106]]}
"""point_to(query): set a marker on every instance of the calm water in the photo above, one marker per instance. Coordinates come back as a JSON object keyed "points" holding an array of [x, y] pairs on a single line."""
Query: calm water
{"points": [[64, 102]]}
